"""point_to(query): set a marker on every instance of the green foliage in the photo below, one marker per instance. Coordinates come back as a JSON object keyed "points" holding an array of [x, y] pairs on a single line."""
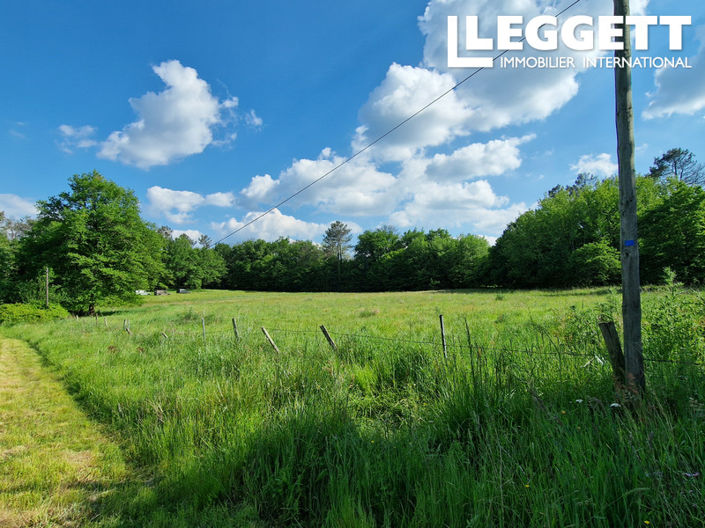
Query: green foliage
{"points": [[7, 268], [383, 261], [282, 265], [417, 260], [572, 238], [187, 266], [94, 241], [596, 264], [30, 313], [673, 234], [675, 327], [537, 250]]}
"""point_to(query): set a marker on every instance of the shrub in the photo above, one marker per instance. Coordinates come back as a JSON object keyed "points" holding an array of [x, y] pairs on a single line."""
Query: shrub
{"points": [[674, 328], [596, 264], [30, 313]]}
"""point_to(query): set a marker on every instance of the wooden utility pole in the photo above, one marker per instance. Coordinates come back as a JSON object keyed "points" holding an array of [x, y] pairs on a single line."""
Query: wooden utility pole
{"points": [[46, 284], [631, 293]]}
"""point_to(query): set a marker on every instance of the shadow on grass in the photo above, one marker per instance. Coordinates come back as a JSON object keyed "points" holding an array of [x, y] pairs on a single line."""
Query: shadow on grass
{"points": [[138, 502]]}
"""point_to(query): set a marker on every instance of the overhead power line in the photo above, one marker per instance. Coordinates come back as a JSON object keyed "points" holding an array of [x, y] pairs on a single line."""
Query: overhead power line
{"points": [[373, 143]]}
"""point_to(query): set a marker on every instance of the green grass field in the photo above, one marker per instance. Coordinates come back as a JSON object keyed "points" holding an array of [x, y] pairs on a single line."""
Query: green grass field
{"points": [[514, 427]]}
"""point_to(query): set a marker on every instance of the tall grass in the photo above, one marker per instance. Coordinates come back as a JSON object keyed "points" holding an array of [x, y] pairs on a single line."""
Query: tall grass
{"points": [[391, 433]]}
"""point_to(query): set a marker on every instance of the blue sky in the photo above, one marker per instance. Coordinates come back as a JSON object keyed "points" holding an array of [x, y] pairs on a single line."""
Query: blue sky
{"points": [[214, 111]]}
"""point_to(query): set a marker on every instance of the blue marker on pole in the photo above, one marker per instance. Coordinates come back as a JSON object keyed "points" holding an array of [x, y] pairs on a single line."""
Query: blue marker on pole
{"points": [[629, 243]]}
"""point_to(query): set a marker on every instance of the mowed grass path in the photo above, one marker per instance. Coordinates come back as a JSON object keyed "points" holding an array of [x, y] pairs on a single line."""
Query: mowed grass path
{"points": [[55, 463]]}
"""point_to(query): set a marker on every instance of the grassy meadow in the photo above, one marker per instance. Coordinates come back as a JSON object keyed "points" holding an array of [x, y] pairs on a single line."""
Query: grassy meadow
{"points": [[518, 424]]}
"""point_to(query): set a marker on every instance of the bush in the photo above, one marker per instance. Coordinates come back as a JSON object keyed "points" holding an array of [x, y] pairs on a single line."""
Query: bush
{"points": [[595, 264], [674, 325], [30, 313]]}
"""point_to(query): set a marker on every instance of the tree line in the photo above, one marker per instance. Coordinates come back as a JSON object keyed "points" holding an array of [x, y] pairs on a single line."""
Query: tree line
{"points": [[96, 247], [382, 260]]}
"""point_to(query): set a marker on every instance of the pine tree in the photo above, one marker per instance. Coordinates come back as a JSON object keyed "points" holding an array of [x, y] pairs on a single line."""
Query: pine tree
{"points": [[336, 242]]}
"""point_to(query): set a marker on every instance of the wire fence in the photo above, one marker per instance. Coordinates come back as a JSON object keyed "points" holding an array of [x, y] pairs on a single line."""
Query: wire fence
{"points": [[548, 347]]}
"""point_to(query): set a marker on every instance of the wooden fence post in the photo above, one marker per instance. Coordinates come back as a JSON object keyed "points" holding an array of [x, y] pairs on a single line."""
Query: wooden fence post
{"points": [[269, 338], [611, 337], [329, 338], [237, 334], [472, 358], [203, 324], [127, 326], [443, 338]]}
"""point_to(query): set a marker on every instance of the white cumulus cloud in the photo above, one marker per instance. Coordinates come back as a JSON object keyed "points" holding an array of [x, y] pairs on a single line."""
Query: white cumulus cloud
{"points": [[597, 164], [477, 160], [177, 206], [271, 227], [404, 90], [260, 188], [172, 124], [426, 191], [356, 188], [472, 205]]}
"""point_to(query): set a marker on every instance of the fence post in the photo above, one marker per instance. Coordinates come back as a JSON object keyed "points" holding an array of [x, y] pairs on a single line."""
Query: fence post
{"points": [[611, 337], [472, 359], [127, 326], [237, 334], [443, 338], [329, 338], [271, 341], [203, 324]]}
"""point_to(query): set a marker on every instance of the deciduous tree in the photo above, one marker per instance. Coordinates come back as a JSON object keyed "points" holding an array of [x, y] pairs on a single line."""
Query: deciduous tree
{"points": [[94, 240]]}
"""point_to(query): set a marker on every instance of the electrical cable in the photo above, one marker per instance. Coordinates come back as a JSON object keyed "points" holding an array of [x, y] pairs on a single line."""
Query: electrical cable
{"points": [[373, 143]]}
